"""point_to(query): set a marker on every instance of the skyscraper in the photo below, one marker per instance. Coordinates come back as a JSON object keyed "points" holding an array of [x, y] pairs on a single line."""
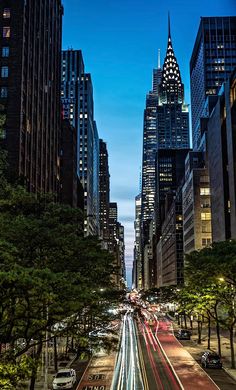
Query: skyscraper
{"points": [[78, 107], [149, 149], [104, 191], [213, 59], [137, 274], [166, 131], [221, 143], [172, 113], [30, 108]]}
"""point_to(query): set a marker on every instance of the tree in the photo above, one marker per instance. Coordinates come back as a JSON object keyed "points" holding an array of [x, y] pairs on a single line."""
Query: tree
{"points": [[206, 269], [52, 280]]}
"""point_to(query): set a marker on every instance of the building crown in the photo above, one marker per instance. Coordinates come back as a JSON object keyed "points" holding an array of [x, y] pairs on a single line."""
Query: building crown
{"points": [[172, 89]]}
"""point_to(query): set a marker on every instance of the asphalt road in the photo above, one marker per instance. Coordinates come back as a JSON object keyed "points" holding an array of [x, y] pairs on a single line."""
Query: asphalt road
{"points": [[158, 370], [127, 374]]}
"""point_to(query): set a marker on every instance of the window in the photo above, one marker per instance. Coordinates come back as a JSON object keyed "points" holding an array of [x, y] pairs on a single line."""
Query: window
{"points": [[205, 216], [5, 51], [4, 71], [6, 32], [6, 13], [204, 191], [3, 92], [2, 133], [206, 227], [206, 241], [205, 203]]}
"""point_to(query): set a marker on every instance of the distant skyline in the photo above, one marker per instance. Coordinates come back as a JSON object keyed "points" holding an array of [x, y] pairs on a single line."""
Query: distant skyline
{"points": [[120, 42]]}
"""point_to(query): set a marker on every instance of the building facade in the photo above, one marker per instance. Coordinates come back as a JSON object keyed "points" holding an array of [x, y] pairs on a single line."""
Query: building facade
{"points": [[221, 146], [196, 204], [165, 146], [213, 59], [172, 257], [30, 43], [104, 192], [170, 172], [70, 187], [78, 108], [137, 274]]}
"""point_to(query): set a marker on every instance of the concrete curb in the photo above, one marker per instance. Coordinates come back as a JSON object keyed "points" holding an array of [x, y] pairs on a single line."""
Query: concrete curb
{"points": [[227, 370], [82, 377]]}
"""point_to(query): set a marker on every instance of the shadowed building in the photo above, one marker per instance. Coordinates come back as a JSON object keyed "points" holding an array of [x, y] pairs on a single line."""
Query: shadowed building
{"points": [[213, 59], [137, 274], [104, 192], [196, 203], [71, 190], [221, 136], [30, 41], [78, 108]]}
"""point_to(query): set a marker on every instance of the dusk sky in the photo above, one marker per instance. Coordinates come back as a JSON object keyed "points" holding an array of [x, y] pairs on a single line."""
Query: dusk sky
{"points": [[119, 40]]}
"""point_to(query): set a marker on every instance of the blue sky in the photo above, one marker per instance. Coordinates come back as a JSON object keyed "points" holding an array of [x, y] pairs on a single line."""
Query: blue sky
{"points": [[120, 40]]}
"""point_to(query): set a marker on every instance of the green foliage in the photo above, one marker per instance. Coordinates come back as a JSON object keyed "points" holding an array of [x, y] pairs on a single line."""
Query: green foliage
{"points": [[13, 373], [51, 277]]}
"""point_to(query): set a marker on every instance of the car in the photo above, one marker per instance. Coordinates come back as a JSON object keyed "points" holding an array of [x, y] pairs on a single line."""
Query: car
{"points": [[183, 334], [211, 359], [64, 379]]}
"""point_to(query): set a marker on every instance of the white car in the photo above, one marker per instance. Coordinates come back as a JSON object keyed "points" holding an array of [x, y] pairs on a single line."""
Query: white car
{"points": [[64, 379]]}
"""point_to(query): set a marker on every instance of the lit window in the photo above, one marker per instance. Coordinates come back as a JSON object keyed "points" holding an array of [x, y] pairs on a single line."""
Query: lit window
{"points": [[204, 191], [6, 32], [6, 13], [5, 51], [4, 71], [3, 92], [205, 216]]}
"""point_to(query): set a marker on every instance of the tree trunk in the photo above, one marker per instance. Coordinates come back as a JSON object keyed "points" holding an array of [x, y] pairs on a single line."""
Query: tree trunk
{"points": [[55, 353], [185, 321], [181, 320], [191, 322], [217, 330], [199, 329], [67, 343], [209, 333], [231, 335], [35, 368]]}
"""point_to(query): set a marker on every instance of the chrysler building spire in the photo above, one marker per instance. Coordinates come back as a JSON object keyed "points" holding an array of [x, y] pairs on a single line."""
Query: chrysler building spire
{"points": [[172, 89]]}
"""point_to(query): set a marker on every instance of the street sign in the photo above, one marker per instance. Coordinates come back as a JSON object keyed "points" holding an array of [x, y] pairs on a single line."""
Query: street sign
{"points": [[96, 377], [92, 387]]}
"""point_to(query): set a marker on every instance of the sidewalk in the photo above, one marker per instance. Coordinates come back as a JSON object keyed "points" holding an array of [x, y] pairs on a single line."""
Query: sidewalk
{"points": [[196, 350]]}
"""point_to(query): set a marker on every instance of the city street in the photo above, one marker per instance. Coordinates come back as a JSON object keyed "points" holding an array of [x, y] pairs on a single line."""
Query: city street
{"points": [[127, 374], [150, 358]]}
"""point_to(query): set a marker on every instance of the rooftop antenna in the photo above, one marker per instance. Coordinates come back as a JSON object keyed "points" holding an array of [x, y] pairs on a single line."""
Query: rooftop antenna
{"points": [[169, 36]]}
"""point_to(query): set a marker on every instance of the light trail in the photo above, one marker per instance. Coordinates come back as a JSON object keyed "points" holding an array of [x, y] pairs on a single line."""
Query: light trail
{"points": [[161, 376], [128, 374]]}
